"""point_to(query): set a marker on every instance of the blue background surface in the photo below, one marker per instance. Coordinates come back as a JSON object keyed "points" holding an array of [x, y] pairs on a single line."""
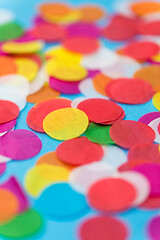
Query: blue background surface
{"points": [[136, 219]]}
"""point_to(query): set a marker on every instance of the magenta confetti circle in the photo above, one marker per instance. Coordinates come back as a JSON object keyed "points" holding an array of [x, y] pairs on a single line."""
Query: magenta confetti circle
{"points": [[152, 172], [5, 127], [154, 229], [20, 144]]}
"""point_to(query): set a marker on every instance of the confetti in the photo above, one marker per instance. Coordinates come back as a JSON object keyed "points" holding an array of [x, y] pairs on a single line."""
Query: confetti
{"points": [[51, 158], [62, 203], [7, 65], [65, 72], [8, 205], [39, 177], [10, 30], [130, 91], [44, 94], [20, 144], [91, 13], [151, 171], [103, 227], [128, 133], [38, 113], [23, 225], [83, 45], [153, 228], [79, 151], [99, 134], [82, 177], [8, 111], [101, 111], [141, 50], [111, 195], [66, 123], [151, 74]]}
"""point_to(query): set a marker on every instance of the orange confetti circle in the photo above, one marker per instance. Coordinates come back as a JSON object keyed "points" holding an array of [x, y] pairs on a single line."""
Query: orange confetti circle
{"points": [[7, 66], [91, 13], [8, 205]]}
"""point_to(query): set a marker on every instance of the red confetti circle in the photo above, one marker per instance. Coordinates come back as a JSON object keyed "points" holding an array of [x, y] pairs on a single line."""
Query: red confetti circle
{"points": [[149, 28], [120, 28], [130, 91], [101, 110], [141, 50], [111, 195], [102, 228], [146, 151], [79, 151], [83, 45], [131, 164], [128, 133], [8, 111], [49, 32], [151, 203], [38, 113]]}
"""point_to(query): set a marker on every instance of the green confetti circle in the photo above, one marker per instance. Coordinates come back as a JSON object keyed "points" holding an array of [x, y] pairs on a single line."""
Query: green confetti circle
{"points": [[99, 134], [10, 31], [22, 226]]}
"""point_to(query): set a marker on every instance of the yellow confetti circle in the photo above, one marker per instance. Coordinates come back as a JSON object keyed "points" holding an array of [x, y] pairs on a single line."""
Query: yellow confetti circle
{"points": [[156, 58], [65, 71], [39, 177], [71, 17], [27, 68], [66, 123], [156, 100], [22, 47], [60, 53]]}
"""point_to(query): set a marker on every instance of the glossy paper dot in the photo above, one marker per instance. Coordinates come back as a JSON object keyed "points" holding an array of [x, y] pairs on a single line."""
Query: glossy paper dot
{"points": [[65, 123], [128, 133], [79, 151]]}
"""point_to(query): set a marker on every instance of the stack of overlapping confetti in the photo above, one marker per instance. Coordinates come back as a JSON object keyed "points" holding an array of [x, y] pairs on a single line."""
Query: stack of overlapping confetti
{"points": [[85, 84]]}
